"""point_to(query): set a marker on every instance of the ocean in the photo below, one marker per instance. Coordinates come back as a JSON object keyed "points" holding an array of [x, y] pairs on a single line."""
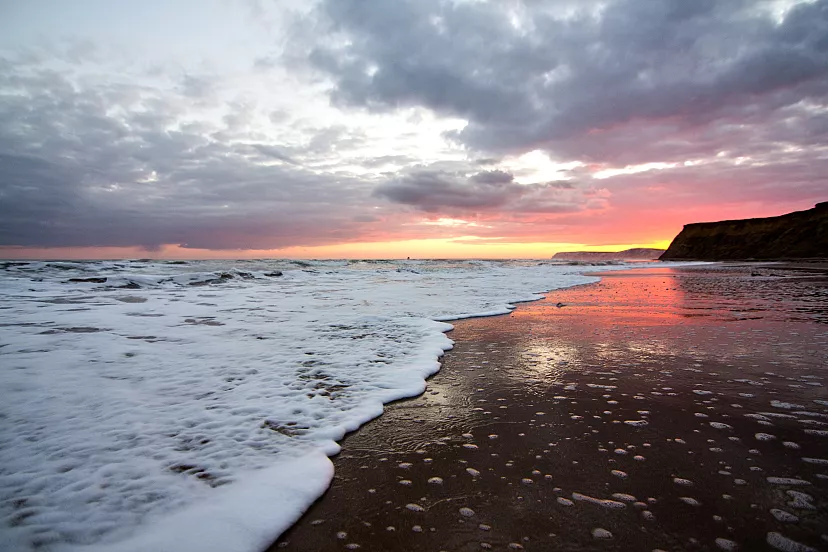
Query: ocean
{"points": [[194, 405]]}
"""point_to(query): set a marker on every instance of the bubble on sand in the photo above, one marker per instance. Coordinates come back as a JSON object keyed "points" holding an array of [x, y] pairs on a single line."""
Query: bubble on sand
{"points": [[680, 481], [353, 546], [470, 446], [466, 512], [725, 544], [484, 527], [526, 481], [611, 504], [435, 480], [720, 425], [648, 515], [599, 533], [783, 543], [690, 501], [790, 445], [624, 497], [764, 437], [702, 392], [620, 474], [636, 423], [493, 436], [787, 481], [405, 482], [701, 415], [782, 515], [820, 461], [405, 465], [473, 472], [342, 535], [565, 501], [417, 528], [620, 451], [415, 507], [801, 501], [785, 405], [638, 458]]}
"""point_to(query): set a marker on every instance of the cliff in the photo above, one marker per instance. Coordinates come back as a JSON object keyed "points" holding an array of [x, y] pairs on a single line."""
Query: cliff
{"points": [[638, 254], [798, 235]]}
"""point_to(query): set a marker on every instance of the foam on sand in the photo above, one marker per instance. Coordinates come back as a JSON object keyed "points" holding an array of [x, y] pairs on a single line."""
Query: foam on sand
{"points": [[238, 517]]}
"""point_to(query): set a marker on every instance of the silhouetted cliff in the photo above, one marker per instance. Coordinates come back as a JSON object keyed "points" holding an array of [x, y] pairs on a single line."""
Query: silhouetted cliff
{"points": [[637, 254], [798, 235]]}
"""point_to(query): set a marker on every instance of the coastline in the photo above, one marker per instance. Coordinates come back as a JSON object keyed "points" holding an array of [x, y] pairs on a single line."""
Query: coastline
{"points": [[525, 421]]}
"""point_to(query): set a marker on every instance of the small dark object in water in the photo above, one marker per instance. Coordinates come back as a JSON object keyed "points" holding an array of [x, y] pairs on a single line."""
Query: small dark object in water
{"points": [[89, 280], [131, 285], [274, 273], [559, 305]]}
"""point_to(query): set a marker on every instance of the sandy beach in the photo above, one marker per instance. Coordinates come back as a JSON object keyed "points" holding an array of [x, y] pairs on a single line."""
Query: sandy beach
{"points": [[659, 409]]}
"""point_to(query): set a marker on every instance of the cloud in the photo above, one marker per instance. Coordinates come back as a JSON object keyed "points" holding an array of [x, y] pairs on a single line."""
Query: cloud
{"points": [[589, 81], [365, 118], [488, 193], [87, 163]]}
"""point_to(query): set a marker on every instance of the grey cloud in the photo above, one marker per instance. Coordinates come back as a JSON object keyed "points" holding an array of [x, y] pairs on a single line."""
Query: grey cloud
{"points": [[438, 191], [99, 164], [660, 67], [434, 190]]}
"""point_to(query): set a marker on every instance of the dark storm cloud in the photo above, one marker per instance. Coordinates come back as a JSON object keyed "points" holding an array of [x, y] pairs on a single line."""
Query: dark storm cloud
{"points": [[433, 190], [642, 69], [110, 165]]}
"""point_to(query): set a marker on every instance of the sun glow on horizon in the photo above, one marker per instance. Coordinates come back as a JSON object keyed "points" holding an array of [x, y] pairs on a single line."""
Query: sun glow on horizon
{"points": [[466, 247]]}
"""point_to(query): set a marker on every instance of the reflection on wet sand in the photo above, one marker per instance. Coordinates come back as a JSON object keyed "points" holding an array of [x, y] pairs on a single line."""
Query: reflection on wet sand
{"points": [[674, 409]]}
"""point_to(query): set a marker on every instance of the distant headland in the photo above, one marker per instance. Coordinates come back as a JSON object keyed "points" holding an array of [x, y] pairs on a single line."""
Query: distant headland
{"points": [[637, 254], [797, 235]]}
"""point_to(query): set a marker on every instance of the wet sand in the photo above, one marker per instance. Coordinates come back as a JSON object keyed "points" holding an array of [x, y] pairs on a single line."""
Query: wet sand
{"points": [[653, 410]]}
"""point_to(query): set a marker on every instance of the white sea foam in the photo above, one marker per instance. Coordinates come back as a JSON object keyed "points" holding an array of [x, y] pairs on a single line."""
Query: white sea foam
{"points": [[154, 406]]}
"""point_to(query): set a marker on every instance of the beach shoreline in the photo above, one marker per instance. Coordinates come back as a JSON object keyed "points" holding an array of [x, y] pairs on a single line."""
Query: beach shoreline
{"points": [[534, 420]]}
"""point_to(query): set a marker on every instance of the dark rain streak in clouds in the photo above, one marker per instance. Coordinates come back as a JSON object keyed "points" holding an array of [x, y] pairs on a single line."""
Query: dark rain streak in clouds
{"points": [[637, 81]]}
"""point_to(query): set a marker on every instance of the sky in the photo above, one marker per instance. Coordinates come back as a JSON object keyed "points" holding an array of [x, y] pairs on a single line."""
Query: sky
{"points": [[404, 128]]}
